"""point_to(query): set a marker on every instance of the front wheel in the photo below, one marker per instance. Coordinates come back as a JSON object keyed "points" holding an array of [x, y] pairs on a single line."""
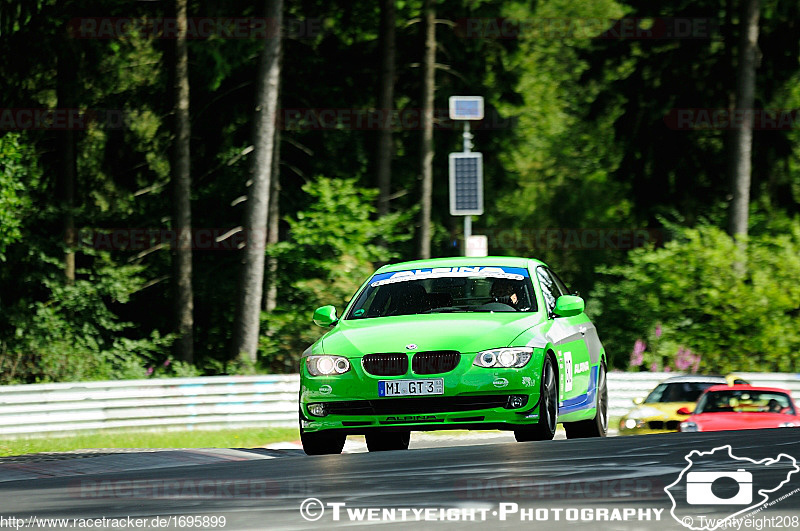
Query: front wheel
{"points": [[598, 426], [322, 443], [545, 429], [389, 440]]}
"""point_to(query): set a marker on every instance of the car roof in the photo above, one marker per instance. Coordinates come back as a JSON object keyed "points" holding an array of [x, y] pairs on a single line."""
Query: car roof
{"points": [[748, 388], [456, 261]]}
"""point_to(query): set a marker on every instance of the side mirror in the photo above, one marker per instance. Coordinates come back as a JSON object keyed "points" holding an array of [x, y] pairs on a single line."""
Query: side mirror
{"points": [[638, 400], [568, 305], [684, 411], [325, 316]]}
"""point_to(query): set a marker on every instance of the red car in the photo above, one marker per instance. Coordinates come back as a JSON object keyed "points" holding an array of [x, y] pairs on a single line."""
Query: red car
{"points": [[741, 407]]}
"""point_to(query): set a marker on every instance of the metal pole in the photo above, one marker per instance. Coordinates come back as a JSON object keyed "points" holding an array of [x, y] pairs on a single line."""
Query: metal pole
{"points": [[467, 219]]}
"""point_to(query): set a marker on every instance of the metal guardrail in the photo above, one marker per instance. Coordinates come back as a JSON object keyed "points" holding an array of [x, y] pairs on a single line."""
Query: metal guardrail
{"points": [[223, 401], [213, 402]]}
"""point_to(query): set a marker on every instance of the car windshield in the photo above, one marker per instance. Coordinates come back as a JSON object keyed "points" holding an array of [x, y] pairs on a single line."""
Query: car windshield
{"points": [[745, 401], [678, 392], [445, 290]]}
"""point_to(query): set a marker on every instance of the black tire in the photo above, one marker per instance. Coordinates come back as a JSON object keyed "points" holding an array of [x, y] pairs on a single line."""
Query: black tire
{"points": [[598, 426], [322, 442], [383, 441], [545, 429]]}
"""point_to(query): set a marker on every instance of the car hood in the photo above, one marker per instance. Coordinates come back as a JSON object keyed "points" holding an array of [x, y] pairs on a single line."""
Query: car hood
{"points": [[465, 332], [740, 421], [659, 410]]}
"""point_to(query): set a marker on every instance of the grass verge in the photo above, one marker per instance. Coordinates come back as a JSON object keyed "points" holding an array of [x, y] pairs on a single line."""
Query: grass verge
{"points": [[226, 438], [230, 438]]}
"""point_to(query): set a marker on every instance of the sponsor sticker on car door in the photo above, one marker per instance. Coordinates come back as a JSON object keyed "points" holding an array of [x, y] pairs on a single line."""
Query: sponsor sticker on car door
{"points": [[567, 372]]}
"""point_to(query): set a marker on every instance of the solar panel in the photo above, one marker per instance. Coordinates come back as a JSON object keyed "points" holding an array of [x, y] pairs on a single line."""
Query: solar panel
{"points": [[466, 107], [466, 184]]}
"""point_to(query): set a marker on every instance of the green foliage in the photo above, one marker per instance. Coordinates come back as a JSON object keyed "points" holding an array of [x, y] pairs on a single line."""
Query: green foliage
{"points": [[733, 305], [669, 167], [577, 140], [16, 163], [74, 335], [560, 161], [333, 246]]}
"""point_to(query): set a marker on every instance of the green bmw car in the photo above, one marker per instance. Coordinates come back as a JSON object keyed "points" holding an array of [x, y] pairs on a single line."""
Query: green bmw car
{"points": [[453, 343]]}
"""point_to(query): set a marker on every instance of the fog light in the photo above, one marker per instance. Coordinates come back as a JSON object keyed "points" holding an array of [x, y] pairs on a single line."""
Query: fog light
{"points": [[630, 423], [318, 410], [516, 401]]}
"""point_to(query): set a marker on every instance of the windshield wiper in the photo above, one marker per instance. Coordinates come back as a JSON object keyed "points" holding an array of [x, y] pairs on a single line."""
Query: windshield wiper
{"points": [[446, 309]]}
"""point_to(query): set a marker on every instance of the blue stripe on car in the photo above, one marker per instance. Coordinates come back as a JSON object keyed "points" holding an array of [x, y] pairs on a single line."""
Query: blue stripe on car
{"points": [[584, 401]]}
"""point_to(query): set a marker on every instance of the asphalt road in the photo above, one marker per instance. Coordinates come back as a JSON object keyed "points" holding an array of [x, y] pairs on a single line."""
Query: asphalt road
{"points": [[612, 483]]}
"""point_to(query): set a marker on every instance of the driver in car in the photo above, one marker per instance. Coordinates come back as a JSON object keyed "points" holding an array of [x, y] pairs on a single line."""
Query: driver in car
{"points": [[504, 291]]}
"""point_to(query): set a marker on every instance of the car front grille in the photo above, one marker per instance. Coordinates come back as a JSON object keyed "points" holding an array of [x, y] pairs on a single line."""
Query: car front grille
{"points": [[396, 363], [402, 406], [672, 425], [435, 362], [385, 364]]}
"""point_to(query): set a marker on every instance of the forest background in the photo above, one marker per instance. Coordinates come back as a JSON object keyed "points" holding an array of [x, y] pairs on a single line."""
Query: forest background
{"points": [[614, 146]]}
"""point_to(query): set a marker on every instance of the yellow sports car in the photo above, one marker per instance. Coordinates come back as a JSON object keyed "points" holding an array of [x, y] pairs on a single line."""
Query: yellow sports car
{"points": [[658, 413]]}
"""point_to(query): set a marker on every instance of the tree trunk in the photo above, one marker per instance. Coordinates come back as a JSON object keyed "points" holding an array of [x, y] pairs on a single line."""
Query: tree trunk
{"points": [[66, 80], [741, 155], [386, 105], [182, 189], [255, 225], [274, 212], [271, 298], [426, 151]]}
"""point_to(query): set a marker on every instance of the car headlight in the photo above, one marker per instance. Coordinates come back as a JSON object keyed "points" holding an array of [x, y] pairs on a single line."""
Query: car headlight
{"points": [[327, 365], [688, 426], [634, 423], [506, 358]]}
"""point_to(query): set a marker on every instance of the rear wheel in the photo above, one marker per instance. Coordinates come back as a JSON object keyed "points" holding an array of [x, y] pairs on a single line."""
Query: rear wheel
{"points": [[545, 429], [388, 440], [598, 426], [322, 442]]}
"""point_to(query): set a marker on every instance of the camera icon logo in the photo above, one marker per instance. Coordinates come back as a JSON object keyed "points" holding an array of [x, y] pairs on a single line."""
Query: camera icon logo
{"points": [[699, 488]]}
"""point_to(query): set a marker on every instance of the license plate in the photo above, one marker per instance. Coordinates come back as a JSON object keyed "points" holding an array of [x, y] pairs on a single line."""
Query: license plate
{"points": [[411, 387]]}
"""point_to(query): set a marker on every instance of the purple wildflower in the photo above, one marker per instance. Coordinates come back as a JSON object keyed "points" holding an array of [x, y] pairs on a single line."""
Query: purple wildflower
{"points": [[696, 365], [637, 356], [683, 359]]}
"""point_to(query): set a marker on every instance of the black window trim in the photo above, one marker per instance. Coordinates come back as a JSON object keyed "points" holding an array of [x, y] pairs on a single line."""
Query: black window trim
{"points": [[550, 311]]}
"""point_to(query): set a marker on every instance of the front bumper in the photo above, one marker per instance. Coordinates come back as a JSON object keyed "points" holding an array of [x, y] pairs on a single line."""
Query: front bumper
{"points": [[421, 414], [474, 398], [650, 426]]}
